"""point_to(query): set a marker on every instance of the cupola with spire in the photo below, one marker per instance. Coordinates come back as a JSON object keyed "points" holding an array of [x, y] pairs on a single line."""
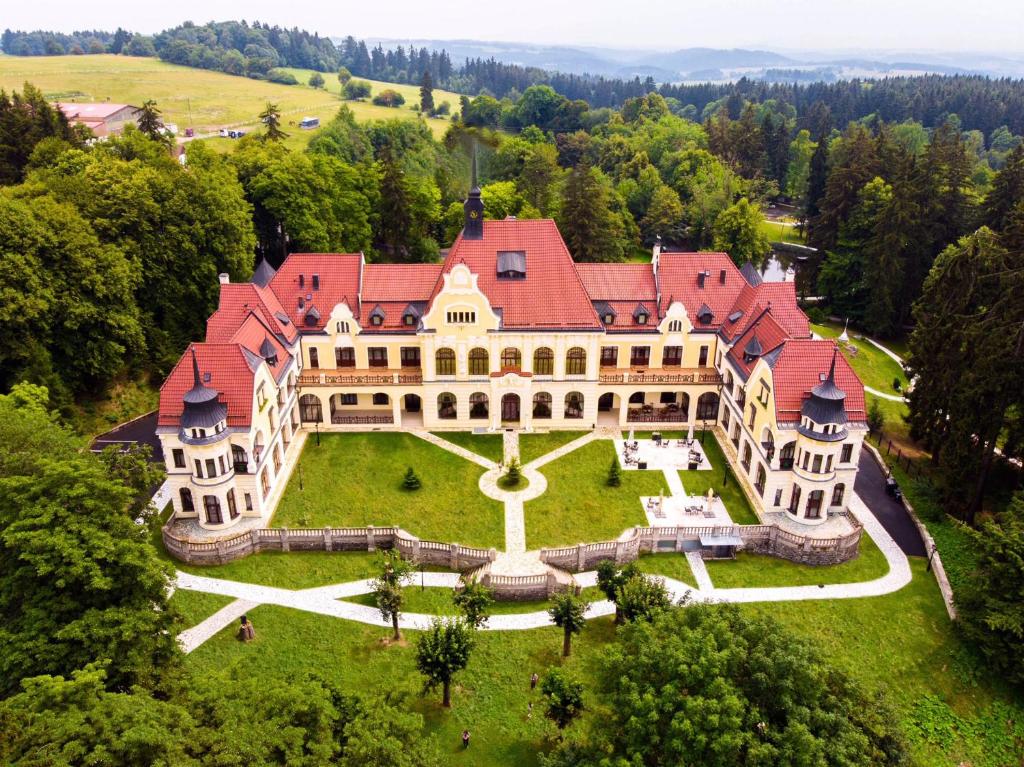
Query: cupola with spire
{"points": [[473, 229], [203, 409], [827, 403]]}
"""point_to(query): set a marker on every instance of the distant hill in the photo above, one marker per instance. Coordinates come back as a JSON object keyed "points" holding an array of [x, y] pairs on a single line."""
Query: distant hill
{"points": [[717, 64]]}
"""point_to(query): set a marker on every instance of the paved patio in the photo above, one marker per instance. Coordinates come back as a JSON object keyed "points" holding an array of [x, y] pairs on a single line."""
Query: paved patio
{"points": [[684, 511], [670, 454]]}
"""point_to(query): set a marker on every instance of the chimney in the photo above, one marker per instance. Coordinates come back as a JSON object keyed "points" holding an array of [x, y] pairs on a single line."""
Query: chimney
{"points": [[224, 278], [656, 252], [721, 277], [316, 280], [701, 276], [302, 280]]}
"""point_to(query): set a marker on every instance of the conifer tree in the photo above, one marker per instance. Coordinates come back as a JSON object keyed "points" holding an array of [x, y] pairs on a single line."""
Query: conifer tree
{"points": [[590, 228], [271, 118], [427, 93], [149, 121], [411, 481], [614, 477]]}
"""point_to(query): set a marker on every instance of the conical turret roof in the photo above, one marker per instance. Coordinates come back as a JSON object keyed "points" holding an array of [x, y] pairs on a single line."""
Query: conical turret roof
{"points": [[827, 403], [202, 407]]}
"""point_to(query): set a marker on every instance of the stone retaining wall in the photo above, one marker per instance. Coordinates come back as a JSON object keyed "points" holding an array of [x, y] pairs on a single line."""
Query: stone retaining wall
{"points": [[758, 539], [219, 552]]}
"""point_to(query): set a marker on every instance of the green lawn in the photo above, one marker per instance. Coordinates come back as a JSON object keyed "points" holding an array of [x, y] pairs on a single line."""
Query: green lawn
{"points": [[579, 507], [698, 482], [355, 479], [778, 232], [439, 601], [902, 643], [195, 606], [533, 446], [670, 565], [490, 446], [293, 570], [759, 570], [874, 367]]}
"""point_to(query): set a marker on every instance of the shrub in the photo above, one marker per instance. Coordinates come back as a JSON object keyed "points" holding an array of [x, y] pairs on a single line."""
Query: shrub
{"points": [[896, 384], [389, 98], [356, 89], [514, 475], [281, 77], [411, 481], [316, 80], [614, 476], [817, 315]]}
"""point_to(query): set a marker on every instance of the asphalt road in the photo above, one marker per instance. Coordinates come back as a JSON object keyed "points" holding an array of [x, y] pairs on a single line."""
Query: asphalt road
{"points": [[870, 486], [140, 430]]}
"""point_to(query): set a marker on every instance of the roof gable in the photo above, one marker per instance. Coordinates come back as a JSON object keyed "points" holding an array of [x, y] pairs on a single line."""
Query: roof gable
{"points": [[320, 280], [800, 367]]}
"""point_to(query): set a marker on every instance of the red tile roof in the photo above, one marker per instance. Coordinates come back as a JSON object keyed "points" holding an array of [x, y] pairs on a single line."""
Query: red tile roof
{"points": [[677, 278], [339, 280], [799, 368], [237, 301], [252, 334], [552, 294], [770, 335], [231, 374], [399, 282], [781, 296], [618, 282]]}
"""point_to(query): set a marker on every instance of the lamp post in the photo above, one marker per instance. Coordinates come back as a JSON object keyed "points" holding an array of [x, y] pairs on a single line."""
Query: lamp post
{"points": [[935, 549], [423, 585], [703, 429], [318, 434]]}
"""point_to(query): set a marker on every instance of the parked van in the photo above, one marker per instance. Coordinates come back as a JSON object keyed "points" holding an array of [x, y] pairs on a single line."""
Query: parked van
{"points": [[308, 123]]}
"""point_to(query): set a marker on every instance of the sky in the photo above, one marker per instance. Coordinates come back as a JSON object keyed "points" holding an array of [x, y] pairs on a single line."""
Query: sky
{"points": [[987, 26]]}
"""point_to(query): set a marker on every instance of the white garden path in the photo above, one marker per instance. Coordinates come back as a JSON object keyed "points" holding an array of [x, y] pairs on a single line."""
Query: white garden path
{"points": [[325, 600]]}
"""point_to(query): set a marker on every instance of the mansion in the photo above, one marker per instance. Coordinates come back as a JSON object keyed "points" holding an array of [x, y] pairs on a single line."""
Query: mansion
{"points": [[508, 332]]}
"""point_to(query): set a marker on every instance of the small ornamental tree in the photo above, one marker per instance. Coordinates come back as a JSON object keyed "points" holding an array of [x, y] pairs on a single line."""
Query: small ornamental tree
{"points": [[344, 76], [614, 475], [569, 614], [316, 80], [876, 419], [411, 481], [395, 573], [563, 698], [475, 600], [611, 578], [641, 599], [514, 474], [441, 652]]}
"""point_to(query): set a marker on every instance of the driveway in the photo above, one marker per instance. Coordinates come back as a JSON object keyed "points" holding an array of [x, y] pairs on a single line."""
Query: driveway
{"points": [[870, 486]]}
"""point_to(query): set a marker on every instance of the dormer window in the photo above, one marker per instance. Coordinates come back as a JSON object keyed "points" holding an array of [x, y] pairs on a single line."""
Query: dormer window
{"points": [[641, 319], [312, 317], [609, 319], [409, 319], [640, 314], [511, 265], [376, 320]]}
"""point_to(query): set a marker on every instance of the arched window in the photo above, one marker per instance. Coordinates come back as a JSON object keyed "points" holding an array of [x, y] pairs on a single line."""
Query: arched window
{"points": [[746, 456], [478, 405], [574, 405], [576, 362], [310, 410], [257, 445], [542, 405], [707, 406], [814, 499], [479, 362], [186, 499], [446, 405], [636, 398], [794, 499], [265, 482], [543, 362], [239, 459], [212, 505], [786, 455], [445, 361], [838, 493], [675, 326], [761, 480], [511, 359]]}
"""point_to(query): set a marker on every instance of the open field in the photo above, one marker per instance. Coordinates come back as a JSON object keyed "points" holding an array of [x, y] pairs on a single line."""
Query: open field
{"points": [[902, 643], [777, 231], [355, 479], [203, 99]]}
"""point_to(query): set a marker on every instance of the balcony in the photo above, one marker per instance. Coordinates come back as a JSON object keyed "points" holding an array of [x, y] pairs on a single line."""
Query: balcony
{"points": [[360, 418], [661, 376], [360, 378]]}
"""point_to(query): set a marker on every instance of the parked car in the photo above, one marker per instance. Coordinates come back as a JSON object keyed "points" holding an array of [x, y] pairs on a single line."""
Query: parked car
{"points": [[236, 133], [190, 132], [223, 132]]}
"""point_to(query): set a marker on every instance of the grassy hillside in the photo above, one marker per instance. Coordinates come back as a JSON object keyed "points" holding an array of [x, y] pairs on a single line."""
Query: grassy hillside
{"points": [[198, 98]]}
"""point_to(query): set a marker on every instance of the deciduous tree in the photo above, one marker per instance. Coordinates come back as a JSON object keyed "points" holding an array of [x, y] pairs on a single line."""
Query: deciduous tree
{"points": [[442, 651], [395, 574], [568, 613]]}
